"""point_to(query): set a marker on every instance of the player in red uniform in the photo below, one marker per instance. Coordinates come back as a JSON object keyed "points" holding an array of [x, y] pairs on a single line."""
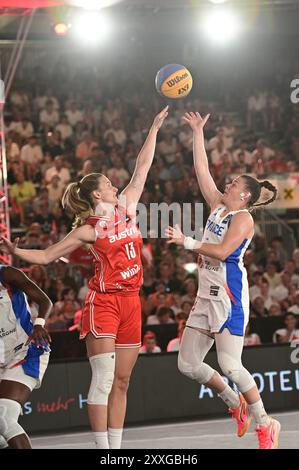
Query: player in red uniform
{"points": [[111, 320]]}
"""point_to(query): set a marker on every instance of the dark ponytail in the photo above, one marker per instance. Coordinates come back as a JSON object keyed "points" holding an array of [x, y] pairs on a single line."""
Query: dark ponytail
{"points": [[255, 187], [269, 186], [78, 198]]}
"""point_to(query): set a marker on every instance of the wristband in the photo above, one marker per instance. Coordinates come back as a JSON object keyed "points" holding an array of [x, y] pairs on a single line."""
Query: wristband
{"points": [[189, 243], [40, 321]]}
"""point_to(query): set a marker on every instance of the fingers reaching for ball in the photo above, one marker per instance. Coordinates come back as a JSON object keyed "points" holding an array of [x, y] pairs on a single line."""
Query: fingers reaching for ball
{"points": [[159, 119], [195, 120]]}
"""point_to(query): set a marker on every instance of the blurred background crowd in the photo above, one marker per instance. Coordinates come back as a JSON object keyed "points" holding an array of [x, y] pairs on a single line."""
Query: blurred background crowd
{"points": [[55, 136]]}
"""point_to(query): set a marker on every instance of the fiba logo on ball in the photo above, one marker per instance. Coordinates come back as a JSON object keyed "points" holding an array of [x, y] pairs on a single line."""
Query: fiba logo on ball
{"points": [[174, 81]]}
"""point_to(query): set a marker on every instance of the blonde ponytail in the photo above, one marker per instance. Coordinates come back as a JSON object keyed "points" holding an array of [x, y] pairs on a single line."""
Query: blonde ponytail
{"points": [[78, 198]]}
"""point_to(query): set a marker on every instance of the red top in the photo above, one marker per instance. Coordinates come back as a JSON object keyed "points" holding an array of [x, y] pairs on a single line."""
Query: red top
{"points": [[117, 254]]}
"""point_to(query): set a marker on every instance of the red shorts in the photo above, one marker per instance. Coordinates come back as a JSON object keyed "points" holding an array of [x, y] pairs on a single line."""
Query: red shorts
{"points": [[113, 316]]}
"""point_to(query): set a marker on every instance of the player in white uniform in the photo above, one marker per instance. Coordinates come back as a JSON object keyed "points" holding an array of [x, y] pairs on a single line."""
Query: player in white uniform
{"points": [[221, 309], [24, 351]]}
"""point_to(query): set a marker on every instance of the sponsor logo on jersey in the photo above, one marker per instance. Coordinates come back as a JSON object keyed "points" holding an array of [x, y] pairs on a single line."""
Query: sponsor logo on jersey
{"points": [[4, 333], [214, 290], [17, 348], [130, 272], [128, 232]]}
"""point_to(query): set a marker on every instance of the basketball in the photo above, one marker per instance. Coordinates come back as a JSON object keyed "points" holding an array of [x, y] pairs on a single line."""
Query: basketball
{"points": [[174, 81]]}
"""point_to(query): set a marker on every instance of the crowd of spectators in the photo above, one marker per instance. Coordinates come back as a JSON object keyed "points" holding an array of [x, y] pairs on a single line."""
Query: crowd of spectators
{"points": [[54, 136]]}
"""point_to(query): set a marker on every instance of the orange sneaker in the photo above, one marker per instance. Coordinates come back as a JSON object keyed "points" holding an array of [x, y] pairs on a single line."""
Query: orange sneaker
{"points": [[268, 435], [241, 416]]}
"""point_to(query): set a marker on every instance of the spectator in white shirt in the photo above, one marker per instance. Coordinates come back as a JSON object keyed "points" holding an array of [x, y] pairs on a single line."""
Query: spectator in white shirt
{"points": [[118, 174], [41, 100], [262, 152], [25, 128], [290, 332], [272, 276], [174, 344], [295, 308], [162, 317], [149, 344], [110, 113], [217, 153], [281, 292], [58, 169], [290, 267], [265, 292], [48, 117], [219, 137], [243, 148], [120, 135], [12, 148], [64, 127], [168, 145], [256, 110], [19, 98], [55, 189], [74, 115], [31, 152]]}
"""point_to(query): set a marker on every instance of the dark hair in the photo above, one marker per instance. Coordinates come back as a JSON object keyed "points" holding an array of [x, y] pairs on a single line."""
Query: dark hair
{"points": [[66, 292], [254, 187], [78, 198], [163, 310], [290, 314], [149, 335]]}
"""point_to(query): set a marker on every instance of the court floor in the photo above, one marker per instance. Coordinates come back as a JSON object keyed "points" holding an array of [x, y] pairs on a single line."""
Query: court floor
{"points": [[213, 434]]}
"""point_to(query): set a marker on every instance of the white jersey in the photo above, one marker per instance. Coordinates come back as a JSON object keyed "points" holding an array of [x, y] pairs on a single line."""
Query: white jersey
{"points": [[15, 327], [220, 280]]}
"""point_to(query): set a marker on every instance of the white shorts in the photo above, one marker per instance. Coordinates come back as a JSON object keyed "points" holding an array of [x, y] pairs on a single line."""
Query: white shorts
{"points": [[215, 315], [17, 374]]}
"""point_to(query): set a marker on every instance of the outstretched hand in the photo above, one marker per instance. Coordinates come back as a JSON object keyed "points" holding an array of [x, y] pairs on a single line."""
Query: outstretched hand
{"points": [[195, 121], [175, 235], [7, 246], [159, 119]]}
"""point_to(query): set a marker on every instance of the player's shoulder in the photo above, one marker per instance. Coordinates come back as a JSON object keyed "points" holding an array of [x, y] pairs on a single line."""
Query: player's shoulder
{"points": [[243, 216]]}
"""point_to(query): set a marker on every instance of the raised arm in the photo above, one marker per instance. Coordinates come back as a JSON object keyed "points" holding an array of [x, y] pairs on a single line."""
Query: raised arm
{"points": [[201, 165], [78, 237], [132, 193]]}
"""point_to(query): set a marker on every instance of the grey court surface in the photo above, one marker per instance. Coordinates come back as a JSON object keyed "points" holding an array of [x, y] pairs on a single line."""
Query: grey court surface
{"points": [[213, 434]]}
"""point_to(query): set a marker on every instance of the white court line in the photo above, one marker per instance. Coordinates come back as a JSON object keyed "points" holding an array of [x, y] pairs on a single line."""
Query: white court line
{"points": [[171, 438], [164, 426]]}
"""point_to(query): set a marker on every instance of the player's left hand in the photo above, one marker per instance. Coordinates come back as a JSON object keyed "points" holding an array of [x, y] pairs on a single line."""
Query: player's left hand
{"points": [[175, 235], [39, 337], [159, 119]]}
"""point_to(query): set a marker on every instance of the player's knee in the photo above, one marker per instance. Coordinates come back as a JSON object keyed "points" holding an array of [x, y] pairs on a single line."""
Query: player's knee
{"points": [[102, 366], [121, 383], [185, 367], [9, 415], [193, 371], [230, 367]]}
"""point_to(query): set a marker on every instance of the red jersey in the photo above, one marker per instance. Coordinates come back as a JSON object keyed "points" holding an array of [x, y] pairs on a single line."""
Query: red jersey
{"points": [[117, 254]]}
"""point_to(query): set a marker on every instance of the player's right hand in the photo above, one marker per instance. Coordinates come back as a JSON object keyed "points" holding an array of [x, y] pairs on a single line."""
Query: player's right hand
{"points": [[195, 120], [7, 246]]}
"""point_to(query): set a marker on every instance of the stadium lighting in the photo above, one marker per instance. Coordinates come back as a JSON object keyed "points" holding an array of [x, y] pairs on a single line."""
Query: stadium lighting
{"points": [[61, 29], [221, 26], [91, 27], [218, 1]]}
